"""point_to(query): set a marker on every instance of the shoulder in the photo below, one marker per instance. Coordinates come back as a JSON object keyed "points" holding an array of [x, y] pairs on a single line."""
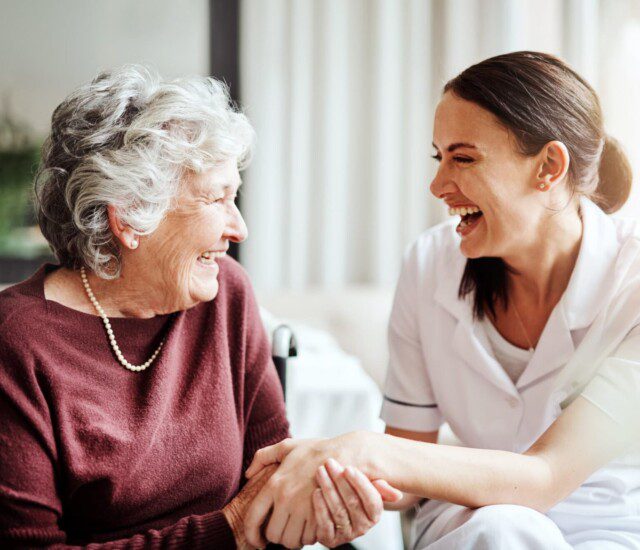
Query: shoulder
{"points": [[21, 312], [620, 295], [441, 238], [626, 228], [628, 256], [434, 250], [22, 316]]}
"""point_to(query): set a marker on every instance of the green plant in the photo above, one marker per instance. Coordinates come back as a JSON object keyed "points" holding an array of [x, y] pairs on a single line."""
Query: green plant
{"points": [[18, 161]]}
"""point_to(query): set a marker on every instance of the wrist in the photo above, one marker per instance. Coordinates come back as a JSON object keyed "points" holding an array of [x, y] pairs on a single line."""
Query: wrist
{"points": [[235, 523], [366, 451], [378, 461]]}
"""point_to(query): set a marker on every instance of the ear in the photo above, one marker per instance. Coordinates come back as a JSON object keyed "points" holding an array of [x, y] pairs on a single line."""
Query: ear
{"points": [[553, 165], [124, 233]]}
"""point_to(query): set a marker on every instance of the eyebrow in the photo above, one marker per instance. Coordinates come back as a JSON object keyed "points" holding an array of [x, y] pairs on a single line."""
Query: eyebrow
{"points": [[455, 146]]}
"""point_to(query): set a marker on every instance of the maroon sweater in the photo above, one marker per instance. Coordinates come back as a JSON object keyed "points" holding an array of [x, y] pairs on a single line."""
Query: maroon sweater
{"points": [[91, 452]]}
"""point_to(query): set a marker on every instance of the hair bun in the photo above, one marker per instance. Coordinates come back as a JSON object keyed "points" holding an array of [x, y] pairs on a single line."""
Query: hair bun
{"points": [[614, 175]]}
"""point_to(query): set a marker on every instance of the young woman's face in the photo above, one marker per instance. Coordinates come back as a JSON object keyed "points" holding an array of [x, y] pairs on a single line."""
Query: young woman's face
{"points": [[481, 170]]}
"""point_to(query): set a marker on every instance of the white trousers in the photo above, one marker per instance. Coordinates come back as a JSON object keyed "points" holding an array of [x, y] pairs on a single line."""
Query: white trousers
{"points": [[446, 526]]}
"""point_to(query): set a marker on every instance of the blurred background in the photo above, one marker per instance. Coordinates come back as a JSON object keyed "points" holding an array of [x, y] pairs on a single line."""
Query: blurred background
{"points": [[342, 95]]}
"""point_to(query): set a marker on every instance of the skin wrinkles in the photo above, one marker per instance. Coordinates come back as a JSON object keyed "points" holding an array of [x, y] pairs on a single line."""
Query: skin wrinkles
{"points": [[162, 274]]}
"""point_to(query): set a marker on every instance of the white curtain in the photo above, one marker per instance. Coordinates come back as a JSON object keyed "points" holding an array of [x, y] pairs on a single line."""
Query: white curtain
{"points": [[342, 95]]}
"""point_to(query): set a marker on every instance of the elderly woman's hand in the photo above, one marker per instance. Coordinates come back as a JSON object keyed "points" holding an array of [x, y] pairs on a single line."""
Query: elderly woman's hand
{"points": [[283, 512], [347, 504], [237, 508]]}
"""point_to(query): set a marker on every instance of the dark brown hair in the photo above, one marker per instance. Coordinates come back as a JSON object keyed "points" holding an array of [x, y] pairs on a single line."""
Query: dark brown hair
{"points": [[539, 98]]}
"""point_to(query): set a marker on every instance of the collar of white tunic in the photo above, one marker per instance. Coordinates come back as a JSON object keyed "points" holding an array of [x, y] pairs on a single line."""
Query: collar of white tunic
{"points": [[607, 252], [585, 294]]}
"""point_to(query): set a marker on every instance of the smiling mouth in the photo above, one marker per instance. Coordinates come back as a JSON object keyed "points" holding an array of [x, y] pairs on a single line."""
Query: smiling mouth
{"points": [[469, 217], [210, 257]]}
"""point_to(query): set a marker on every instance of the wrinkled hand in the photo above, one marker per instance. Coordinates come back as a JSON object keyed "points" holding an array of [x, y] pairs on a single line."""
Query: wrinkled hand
{"points": [[287, 497], [347, 504], [235, 511]]}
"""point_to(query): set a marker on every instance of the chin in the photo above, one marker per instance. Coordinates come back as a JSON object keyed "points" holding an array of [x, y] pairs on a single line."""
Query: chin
{"points": [[206, 293], [203, 289], [471, 252]]}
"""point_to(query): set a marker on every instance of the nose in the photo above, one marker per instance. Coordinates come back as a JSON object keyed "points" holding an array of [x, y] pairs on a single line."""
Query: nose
{"points": [[442, 184], [236, 229]]}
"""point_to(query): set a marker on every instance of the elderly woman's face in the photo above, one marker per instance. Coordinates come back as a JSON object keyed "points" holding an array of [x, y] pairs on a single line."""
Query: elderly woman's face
{"points": [[480, 168], [180, 256]]}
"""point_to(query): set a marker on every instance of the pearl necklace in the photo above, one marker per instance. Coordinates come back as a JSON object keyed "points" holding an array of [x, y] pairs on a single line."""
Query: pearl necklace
{"points": [[107, 326]]}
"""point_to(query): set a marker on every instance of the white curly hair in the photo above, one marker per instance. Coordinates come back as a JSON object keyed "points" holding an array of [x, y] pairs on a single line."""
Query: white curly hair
{"points": [[126, 139]]}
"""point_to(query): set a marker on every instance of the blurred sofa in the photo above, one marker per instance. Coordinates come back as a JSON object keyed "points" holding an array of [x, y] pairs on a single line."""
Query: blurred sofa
{"points": [[355, 316]]}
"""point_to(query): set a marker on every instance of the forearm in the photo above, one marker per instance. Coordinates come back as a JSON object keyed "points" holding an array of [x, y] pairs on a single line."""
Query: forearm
{"points": [[470, 477]]}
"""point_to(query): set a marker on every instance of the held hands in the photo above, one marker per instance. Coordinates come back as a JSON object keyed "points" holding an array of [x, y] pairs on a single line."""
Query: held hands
{"points": [[345, 506]]}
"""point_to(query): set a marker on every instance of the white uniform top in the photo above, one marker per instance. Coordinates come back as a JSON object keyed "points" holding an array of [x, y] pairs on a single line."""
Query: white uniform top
{"points": [[442, 366]]}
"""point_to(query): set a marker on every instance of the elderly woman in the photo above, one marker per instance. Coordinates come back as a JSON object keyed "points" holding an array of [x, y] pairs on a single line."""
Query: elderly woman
{"points": [[518, 324], [131, 401], [136, 380]]}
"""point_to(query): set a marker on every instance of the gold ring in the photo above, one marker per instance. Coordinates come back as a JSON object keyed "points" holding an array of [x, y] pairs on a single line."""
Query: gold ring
{"points": [[341, 527]]}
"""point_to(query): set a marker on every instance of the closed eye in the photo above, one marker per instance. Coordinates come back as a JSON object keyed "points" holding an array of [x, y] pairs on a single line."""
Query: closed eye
{"points": [[464, 160], [222, 200]]}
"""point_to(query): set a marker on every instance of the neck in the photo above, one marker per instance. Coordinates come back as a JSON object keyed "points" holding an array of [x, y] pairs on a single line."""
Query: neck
{"points": [[543, 268], [124, 297]]}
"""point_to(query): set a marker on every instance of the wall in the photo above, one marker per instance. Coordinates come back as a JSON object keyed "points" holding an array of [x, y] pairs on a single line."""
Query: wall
{"points": [[49, 47]]}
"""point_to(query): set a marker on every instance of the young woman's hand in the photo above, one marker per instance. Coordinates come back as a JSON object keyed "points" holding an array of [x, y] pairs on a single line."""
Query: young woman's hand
{"points": [[351, 448], [347, 504], [276, 453]]}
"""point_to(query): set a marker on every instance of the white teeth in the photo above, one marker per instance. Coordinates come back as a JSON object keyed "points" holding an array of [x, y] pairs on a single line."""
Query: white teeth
{"points": [[464, 210], [210, 256]]}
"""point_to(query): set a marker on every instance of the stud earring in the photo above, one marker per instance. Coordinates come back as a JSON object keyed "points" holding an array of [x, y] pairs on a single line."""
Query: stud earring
{"points": [[134, 244], [543, 187]]}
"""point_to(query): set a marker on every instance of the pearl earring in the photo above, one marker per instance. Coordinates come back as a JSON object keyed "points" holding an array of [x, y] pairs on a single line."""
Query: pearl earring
{"points": [[134, 244]]}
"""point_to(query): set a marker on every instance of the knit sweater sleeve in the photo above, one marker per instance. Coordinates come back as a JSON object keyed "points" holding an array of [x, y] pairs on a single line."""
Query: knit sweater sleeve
{"points": [[264, 408], [30, 507]]}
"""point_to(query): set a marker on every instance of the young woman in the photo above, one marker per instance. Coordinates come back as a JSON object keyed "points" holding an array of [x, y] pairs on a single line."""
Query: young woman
{"points": [[518, 324]]}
